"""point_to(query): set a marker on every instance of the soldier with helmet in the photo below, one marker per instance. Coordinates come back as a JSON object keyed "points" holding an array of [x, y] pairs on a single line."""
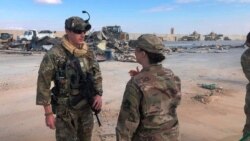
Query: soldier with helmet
{"points": [[70, 64], [148, 110], [245, 63]]}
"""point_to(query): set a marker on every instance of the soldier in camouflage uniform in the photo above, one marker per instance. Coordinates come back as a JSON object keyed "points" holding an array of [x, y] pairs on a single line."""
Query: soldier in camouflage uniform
{"points": [[148, 110], [64, 64], [245, 63]]}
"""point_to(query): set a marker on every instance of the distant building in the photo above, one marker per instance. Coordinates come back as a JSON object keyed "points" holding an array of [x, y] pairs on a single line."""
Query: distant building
{"points": [[172, 31]]}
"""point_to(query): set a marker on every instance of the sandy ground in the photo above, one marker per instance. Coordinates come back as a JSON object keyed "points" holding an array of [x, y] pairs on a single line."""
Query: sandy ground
{"points": [[221, 119]]}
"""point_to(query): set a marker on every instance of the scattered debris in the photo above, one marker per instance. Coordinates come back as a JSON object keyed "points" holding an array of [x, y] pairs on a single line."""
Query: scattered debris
{"points": [[211, 87], [203, 98], [212, 95]]}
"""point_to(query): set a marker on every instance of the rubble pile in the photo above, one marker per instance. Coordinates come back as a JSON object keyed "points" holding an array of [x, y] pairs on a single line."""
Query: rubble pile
{"points": [[112, 44]]}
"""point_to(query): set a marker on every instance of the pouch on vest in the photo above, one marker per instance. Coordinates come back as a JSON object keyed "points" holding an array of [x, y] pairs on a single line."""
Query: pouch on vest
{"points": [[76, 76]]}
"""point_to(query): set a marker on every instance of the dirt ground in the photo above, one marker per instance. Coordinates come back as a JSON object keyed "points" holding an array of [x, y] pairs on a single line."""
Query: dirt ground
{"points": [[218, 117]]}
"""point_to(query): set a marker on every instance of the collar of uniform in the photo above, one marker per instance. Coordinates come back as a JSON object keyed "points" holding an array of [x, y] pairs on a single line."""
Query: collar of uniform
{"points": [[152, 67]]}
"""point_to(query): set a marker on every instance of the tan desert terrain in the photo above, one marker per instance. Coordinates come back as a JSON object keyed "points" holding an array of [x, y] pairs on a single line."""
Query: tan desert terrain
{"points": [[221, 119]]}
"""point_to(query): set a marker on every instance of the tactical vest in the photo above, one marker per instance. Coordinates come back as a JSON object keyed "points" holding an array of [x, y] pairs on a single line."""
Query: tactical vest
{"points": [[70, 73], [160, 90]]}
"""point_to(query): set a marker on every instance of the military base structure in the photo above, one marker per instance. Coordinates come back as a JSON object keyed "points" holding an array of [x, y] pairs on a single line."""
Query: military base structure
{"points": [[110, 43], [169, 36]]}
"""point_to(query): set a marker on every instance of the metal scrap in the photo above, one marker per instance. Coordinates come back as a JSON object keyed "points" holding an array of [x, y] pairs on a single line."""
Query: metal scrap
{"points": [[111, 42]]}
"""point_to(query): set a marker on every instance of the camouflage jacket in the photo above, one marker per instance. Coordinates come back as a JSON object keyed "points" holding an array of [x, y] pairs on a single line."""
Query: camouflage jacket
{"points": [[50, 64], [245, 63], [148, 110]]}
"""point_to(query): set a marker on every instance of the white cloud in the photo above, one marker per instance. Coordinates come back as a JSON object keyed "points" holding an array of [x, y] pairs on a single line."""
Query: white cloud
{"points": [[186, 1], [235, 1], [49, 1], [159, 9]]}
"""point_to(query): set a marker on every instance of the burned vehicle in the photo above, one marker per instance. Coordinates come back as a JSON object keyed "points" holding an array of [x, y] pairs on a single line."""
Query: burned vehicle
{"points": [[34, 34], [115, 32], [6, 38], [192, 37], [213, 37]]}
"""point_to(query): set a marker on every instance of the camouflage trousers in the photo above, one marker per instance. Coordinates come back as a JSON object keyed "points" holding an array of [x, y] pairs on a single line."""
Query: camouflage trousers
{"points": [[246, 129], [74, 125]]}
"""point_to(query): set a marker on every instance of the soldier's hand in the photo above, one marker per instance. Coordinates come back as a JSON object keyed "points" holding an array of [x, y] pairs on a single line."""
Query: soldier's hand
{"points": [[134, 72], [50, 121], [97, 103]]}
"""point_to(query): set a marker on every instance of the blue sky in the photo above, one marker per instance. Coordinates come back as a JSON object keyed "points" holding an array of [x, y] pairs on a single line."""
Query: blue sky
{"points": [[135, 16]]}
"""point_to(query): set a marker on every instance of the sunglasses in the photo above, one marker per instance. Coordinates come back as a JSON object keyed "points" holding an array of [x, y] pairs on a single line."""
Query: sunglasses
{"points": [[79, 31], [138, 49]]}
